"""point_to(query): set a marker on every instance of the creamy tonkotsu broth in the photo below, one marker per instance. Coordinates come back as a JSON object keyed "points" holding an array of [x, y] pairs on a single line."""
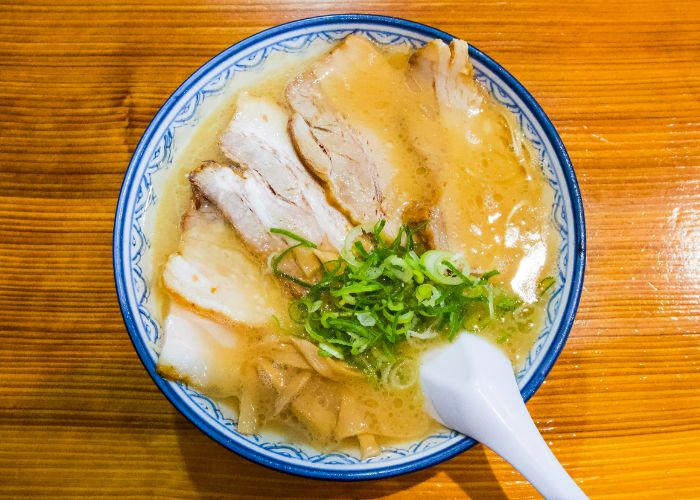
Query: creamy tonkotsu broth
{"points": [[467, 171]]}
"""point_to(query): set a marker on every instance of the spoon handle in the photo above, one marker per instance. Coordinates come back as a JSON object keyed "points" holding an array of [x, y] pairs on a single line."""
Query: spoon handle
{"points": [[513, 435]]}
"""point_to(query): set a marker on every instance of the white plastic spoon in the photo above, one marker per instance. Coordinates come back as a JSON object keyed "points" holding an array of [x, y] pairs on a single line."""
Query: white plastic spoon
{"points": [[469, 386]]}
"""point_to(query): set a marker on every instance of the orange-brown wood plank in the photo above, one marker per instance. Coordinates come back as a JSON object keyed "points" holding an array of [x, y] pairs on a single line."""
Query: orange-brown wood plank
{"points": [[79, 82]]}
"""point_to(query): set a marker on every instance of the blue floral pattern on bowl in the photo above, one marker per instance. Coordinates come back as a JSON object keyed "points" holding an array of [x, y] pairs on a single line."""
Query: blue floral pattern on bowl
{"points": [[155, 153]]}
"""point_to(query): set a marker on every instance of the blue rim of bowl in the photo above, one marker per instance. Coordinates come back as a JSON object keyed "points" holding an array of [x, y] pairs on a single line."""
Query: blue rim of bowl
{"points": [[548, 359]]}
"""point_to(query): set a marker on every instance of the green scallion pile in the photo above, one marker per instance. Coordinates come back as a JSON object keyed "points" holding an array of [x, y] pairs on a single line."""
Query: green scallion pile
{"points": [[380, 293]]}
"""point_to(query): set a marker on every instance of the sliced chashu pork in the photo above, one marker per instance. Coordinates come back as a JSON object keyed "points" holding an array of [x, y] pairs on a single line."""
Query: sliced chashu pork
{"points": [[445, 71], [220, 292], [214, 274], [222, 295], [203, 353], [362, 172], [257, 139], [249, 203], [345, 156], [268, 188]]}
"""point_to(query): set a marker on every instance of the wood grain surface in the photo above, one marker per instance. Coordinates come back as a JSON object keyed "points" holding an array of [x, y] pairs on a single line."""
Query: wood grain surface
{"points": [[79, 82]]}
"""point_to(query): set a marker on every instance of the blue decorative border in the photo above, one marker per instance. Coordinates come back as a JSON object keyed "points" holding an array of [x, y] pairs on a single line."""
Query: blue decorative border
{"points": [[130, 246]]}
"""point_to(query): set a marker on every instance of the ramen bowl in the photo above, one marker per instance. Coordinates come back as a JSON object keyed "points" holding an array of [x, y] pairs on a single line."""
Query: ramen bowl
{"points": [[172, 128]]}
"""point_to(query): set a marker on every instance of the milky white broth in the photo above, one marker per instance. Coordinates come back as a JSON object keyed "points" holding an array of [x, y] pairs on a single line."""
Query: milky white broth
{"points": [[502, 200]]}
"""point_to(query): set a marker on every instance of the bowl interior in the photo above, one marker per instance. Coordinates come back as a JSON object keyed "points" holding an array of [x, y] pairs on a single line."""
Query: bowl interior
{"points": [[171, 130]]}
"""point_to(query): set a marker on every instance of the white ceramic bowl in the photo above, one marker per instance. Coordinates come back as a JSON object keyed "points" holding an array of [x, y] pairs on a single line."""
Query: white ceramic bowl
{"points": [[174, 124]]}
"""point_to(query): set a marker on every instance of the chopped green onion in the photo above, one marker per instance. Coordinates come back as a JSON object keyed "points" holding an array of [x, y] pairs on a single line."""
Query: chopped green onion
{"points": [[507, 303], [275, 262], [403, 375], [381, 293], [326, 350], [544, 285], [357, 288], [366, 318], [434, 263], [398, 268], [293, 236], [346, 252], [488, 275]]}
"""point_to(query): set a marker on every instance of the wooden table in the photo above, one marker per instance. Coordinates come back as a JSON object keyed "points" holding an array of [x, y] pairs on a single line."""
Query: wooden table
{"points": [[79, 82]]}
